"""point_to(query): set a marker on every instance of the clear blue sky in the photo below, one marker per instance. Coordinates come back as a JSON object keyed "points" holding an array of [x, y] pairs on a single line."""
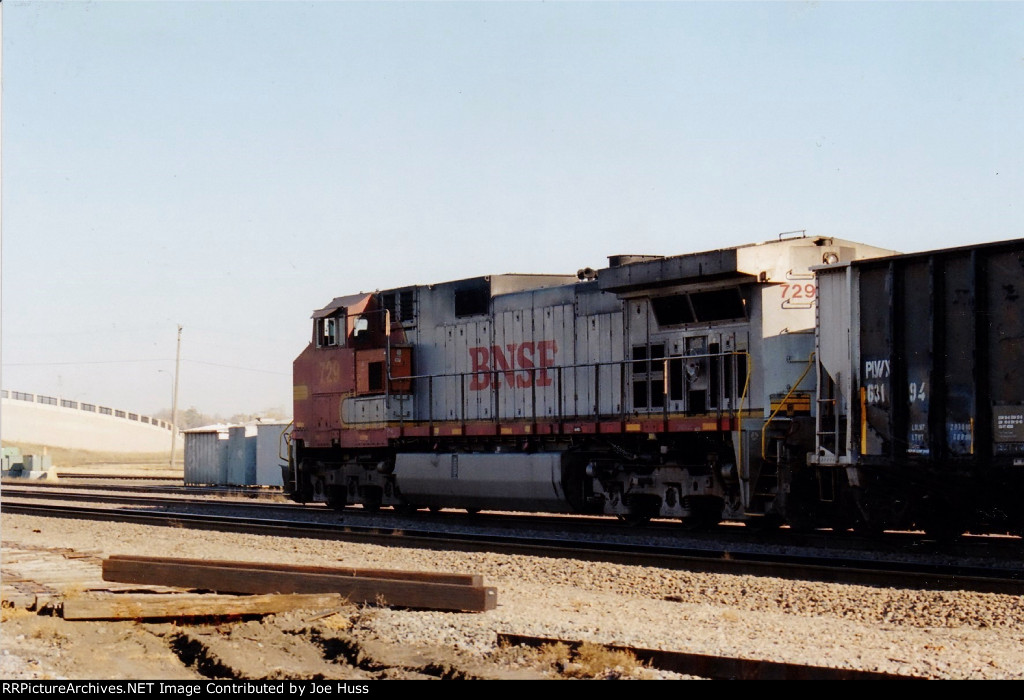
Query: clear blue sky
{"points": [[232, 166]]}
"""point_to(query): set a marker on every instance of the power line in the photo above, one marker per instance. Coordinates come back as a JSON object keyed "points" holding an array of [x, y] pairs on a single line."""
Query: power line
{"points": [[121, 362], [248, 369], [82, 362]]}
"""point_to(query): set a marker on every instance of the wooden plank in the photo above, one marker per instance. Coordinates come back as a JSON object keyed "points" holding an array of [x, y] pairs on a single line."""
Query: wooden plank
{"points": [[18, 597], [256, 580], [125, 606], [428, 576]]}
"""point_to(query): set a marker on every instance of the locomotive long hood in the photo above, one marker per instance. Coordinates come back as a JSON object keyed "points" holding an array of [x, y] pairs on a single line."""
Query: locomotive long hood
{"points": [[666, 272]]}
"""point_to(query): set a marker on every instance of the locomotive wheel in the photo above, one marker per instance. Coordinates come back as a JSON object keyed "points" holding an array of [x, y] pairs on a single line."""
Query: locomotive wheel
{"points": [[337, 497], [843, 515], [372, 497], [764, 523], [800, 520], [705, 513], [945, 532], [695, 523], [870, 531], [944, 527], [642, 508], [635, 519], [303, 491], [941, 519], [702, 521]]}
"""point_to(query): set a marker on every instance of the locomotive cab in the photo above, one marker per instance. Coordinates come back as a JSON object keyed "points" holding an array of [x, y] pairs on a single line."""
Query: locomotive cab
{"points": [[344, 377]]}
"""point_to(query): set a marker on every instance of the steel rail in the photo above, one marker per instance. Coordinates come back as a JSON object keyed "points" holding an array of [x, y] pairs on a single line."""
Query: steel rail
{"points": [[82, 483], [1004, 550], [144, 495], [797, 567], [716, 667], [125, 477]]}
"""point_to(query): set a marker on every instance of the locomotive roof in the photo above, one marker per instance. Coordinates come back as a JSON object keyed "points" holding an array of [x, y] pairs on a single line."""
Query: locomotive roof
{"points": [[502, 284], [342, 303], [764, 262]]}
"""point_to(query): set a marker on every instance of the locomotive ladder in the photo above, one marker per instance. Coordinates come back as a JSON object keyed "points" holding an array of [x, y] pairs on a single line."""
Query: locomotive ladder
{"points": [[828, 430], [827, 419], [827, 434], [766, 481]]}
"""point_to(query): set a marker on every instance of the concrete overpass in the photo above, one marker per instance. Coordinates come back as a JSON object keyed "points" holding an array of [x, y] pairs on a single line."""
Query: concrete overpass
{"points": [[57, 422]]}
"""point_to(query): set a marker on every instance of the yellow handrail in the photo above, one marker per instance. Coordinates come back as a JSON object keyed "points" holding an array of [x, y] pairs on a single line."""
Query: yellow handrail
{"points": [[764, 428]]}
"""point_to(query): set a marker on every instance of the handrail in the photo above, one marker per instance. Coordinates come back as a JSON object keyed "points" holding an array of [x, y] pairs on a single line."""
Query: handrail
{"points": [[764, 428], [739, 412], [285, 438], [558, 371], [608, 363]]}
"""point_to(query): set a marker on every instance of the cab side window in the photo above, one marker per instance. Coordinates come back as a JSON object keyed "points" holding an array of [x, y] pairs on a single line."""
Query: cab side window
{"points": [[329, 331]]}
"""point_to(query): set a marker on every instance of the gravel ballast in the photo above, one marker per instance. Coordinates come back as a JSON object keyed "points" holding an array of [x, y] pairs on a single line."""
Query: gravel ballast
{"points": [[933, 634]]}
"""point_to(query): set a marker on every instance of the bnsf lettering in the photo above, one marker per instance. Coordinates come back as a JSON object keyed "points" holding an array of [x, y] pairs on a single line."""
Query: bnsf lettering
{"points": [[494, 363]]}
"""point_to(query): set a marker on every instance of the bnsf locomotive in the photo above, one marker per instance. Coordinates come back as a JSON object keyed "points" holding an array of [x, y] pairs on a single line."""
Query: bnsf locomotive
{"points": [[812, 381]]}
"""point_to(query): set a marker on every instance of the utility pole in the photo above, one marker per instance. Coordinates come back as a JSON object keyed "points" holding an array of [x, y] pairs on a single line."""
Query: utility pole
{"points": [[174, 400]]}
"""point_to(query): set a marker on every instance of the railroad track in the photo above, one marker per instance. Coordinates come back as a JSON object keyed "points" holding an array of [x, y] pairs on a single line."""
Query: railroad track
{"points": [[78, 482], [814, 566], [893, 544], [716, 667], [119, 477], [128, 580]]}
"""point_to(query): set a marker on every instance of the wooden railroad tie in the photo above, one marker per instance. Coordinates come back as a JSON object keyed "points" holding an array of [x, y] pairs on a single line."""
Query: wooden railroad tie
{"points": [[402, 589], [149, 606]]}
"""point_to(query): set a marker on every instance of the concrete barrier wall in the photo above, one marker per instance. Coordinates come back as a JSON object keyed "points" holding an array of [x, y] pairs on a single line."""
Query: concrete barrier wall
{"points": [[55, 425]]}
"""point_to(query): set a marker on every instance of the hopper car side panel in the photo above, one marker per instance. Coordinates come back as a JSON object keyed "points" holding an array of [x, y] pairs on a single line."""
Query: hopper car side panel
{"points": [[932, 387]]}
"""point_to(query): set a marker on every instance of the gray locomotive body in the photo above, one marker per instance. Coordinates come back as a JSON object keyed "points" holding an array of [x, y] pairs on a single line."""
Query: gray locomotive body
{"points": [[682, 387]]}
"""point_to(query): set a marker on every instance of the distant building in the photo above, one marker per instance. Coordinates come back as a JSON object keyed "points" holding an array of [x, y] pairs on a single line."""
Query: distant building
{"points": [[240, 455]]}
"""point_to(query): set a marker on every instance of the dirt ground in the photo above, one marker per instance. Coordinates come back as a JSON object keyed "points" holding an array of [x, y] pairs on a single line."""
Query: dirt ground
{"points": [[68, 460], [308, 645], [322, 643]]}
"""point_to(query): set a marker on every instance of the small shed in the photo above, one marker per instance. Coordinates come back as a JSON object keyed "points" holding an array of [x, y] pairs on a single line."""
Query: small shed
{"points": [[236, 455]]}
